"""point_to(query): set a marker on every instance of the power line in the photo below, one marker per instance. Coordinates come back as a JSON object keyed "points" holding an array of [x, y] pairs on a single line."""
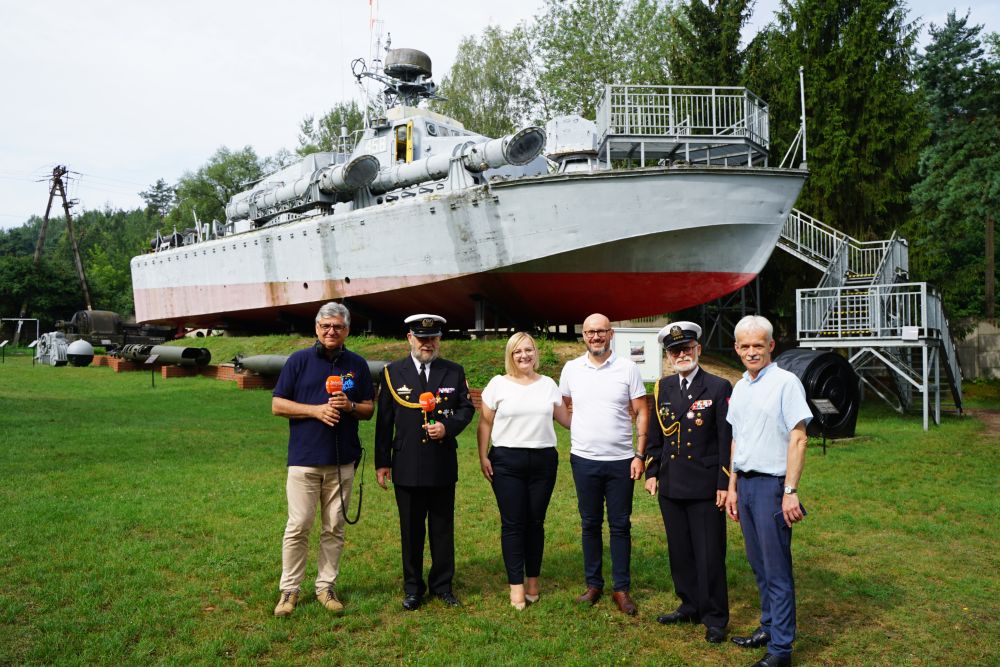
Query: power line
{"points": [[112, 178]]}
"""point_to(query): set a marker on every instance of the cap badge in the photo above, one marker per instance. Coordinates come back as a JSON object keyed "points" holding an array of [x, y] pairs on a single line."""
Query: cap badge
{"points": [[676, 333]]}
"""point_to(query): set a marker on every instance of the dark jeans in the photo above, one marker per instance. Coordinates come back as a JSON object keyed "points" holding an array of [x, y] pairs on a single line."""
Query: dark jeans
{"points": [[598, 482], [769, 550], [523, 480]]}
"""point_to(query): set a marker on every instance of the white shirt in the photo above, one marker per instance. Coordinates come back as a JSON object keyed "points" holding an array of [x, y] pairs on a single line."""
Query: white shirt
{"points": [[602, 427], [523, 412], [689, 378], [427, 367]]}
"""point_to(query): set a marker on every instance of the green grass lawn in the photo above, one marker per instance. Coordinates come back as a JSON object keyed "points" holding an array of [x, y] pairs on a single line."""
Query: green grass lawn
{"points": [[143, 525]]}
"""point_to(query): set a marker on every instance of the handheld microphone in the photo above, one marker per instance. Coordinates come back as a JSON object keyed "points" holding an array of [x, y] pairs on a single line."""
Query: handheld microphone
{"points": [[427, 404], [334, 384]]}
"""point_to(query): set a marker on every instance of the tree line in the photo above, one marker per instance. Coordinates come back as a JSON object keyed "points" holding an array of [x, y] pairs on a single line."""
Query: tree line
{"points": [[900, 139]]}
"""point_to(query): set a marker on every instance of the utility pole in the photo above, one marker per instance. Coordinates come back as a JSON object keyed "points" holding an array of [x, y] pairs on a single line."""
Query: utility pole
{"points": [[990, 269], [56, 186]]}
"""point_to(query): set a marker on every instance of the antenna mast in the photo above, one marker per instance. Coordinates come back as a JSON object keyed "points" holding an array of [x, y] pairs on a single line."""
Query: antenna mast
{"points": [[56, 186]]}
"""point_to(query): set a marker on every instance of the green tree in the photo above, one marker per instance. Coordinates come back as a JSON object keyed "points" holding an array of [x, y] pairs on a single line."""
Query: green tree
{"points": [[324, 134], [959, 191], [489, 88], [708, 35], [865, 120], [159, 198], [206, 192], [584, 44], [113, 239]]}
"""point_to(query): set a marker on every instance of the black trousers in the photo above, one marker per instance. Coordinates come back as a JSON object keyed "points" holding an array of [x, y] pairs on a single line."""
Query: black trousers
{"points": [[696, 543], [523, 480], [434, 505]]}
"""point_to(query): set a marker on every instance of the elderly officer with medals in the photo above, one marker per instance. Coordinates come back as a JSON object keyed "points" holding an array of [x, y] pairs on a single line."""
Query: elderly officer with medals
{"points": [[423, 406], [689, 441]]}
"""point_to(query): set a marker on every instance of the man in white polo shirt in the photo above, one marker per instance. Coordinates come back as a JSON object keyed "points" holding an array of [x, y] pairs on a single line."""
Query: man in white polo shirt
{"points": [[601, 387]]}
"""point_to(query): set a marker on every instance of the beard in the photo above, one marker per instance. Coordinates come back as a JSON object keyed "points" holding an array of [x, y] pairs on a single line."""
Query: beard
{"points": [[424, 356], [686, 365], [598, 351]]}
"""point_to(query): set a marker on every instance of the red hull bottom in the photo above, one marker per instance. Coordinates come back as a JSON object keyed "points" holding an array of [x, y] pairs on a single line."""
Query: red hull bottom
{"points": [[506, 298]]}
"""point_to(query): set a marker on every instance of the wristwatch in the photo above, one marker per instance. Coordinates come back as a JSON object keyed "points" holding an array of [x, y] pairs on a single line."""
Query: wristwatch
{"points": [[789, 490]]}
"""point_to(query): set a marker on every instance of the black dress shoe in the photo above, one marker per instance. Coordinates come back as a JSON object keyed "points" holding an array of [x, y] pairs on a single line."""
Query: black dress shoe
{"points": [[675, 617], [773, 661], [715, 635], [760, 637], [411, 602], [449, 599]]}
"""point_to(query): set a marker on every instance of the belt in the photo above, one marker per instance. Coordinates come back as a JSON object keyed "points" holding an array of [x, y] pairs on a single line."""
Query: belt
{"points": [[749, 474]]}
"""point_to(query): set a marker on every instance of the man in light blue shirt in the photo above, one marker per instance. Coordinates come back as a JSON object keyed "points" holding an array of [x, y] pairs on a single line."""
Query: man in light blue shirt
{"points": [[769, 413]]}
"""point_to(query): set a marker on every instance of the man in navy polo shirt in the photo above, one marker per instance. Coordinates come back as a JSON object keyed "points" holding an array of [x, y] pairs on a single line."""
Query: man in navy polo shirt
{"points": [[323, 450]]}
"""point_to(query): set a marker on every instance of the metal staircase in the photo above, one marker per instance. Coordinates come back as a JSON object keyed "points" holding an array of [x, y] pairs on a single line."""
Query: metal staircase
{"points": [[864, 304]]}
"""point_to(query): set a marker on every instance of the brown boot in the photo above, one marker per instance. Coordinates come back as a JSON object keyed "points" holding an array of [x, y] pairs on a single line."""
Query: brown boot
{"points": [[286, 604], [625, 603], [328, 598], [590, 596]]}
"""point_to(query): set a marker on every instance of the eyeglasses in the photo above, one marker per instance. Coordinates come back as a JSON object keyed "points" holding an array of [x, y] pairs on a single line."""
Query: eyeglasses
{"points": [[594, 333], [678, 351], [337, 328]]}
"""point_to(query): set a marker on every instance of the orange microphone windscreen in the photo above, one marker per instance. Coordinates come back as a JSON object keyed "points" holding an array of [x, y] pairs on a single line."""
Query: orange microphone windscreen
{"points": [[334, 384], [427, 402]]}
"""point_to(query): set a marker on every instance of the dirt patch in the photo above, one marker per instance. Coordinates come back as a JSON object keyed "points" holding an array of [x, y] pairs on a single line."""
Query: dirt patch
{"points": [[990, 419]]}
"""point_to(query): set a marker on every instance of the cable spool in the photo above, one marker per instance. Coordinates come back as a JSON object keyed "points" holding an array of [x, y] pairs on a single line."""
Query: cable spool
{"points": [[826, 375]]}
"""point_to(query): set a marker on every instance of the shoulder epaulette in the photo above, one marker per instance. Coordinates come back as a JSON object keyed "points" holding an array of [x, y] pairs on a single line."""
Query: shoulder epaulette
{"points": [[396, 397]]}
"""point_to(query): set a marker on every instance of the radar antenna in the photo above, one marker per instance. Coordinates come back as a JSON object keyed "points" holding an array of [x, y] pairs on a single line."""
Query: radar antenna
{"points": [[405, 74]]}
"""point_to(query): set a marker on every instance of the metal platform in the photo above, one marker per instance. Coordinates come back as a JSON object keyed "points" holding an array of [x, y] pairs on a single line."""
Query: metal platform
{"points": [[890, 328], [709, 125]]}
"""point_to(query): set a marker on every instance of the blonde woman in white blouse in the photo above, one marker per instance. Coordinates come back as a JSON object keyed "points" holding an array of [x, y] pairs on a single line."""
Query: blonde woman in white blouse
{"points": [[516, 417]]}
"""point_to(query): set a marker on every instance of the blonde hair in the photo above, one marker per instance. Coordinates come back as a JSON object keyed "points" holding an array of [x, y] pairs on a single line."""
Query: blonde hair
{"points": [[512, 343]]}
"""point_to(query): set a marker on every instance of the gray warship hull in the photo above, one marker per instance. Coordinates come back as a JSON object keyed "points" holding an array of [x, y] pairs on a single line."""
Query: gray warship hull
{"points": [[542, 249]]}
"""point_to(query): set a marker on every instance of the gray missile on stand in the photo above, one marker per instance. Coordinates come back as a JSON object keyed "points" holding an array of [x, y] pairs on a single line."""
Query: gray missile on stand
{"points": [[166, 354]]}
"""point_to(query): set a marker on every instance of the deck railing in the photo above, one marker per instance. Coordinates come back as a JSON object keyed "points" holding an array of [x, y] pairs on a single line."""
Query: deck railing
{"points": [[683, 111]]}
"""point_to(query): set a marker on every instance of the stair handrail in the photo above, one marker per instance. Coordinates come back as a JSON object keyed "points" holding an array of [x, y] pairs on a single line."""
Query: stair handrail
{"points": [[817, 247], [835, 274], [940, 323]]}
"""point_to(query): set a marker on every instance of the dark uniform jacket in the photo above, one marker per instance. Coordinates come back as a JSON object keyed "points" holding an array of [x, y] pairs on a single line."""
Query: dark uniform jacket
{"points": [[689, 458], [400, 440]]}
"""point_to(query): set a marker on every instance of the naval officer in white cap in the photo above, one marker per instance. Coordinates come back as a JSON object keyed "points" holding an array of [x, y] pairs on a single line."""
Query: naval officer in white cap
{"points": [[418, 455], [687, 455]]}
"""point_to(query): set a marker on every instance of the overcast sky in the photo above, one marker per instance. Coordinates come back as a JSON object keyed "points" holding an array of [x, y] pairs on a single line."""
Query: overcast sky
{"points": [[126, 92]]}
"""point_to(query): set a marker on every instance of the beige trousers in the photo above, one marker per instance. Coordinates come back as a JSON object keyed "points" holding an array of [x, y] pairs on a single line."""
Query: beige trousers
{"points": [[306, 487]]}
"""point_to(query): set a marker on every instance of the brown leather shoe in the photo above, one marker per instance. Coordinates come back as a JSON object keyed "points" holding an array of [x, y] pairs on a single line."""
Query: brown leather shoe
{"points": [[625, 603], [590, 596]]}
